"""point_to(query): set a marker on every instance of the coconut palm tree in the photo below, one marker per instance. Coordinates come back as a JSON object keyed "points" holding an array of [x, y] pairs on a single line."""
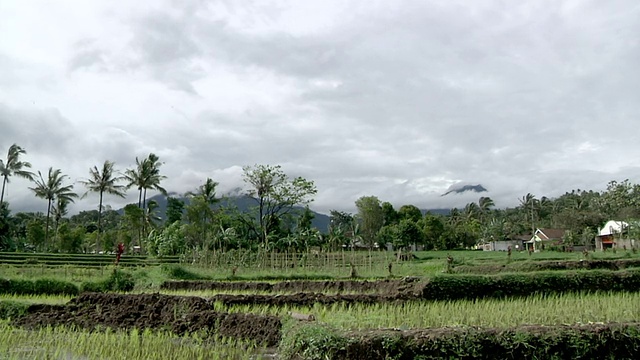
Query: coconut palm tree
{"points": [[14, 166], [485, 204], [51, 189], [206, 196], [101, 182], [59, 210], [146, 176]]}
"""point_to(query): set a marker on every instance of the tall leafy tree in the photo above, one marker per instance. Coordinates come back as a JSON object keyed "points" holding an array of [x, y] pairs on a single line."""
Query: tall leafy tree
{"points": [[175, 209], [276, 195], [14, 166], [410, 212], [53, 188], [370, 217], [101, 182]]}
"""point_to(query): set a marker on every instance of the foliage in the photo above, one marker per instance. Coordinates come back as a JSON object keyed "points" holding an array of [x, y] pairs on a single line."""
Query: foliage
{"points": [[175, 209], [370, 218], [117, 281], [12, 309], [37, 287], [276, 195], [450, 287], [169, 241], [178, 272], [102, 182], [310, 341], [14, 166], [53, 189]]}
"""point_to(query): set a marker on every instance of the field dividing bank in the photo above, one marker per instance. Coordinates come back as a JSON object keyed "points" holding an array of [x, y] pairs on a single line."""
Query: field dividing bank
{"points": [[503, 313], [593, 341]]}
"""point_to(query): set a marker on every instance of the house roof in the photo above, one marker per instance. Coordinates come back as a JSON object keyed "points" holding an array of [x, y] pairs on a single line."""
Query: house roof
{"points": [[550, 234], [612, 227]]}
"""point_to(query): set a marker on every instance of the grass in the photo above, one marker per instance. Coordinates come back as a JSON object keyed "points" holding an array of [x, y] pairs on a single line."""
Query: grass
{"points": [[538, 310], [37, 299], [66, 343]]}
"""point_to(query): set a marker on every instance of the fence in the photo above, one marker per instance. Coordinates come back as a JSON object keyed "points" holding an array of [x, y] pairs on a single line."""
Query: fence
{"points": [[362, 260]]}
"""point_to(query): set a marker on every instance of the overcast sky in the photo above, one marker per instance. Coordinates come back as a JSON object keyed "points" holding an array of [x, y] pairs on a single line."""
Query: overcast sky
{"points": [[398, 99]]}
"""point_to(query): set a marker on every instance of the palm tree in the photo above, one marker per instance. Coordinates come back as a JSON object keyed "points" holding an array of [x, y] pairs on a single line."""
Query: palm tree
{"points": [[207, 191], [53, 189], [101, 182], [485, 204], [14, 166], [146, 176], [207, 194], [59, 210], [530, 201]]}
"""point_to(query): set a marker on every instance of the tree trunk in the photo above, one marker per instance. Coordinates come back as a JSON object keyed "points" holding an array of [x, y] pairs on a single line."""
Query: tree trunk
{"points": [[4, 182], [98, 243], [46, 229]]}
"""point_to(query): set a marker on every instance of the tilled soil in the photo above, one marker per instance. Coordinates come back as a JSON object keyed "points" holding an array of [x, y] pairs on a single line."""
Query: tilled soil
{"points": [[179, 314], [387, 286], [308, 299]]}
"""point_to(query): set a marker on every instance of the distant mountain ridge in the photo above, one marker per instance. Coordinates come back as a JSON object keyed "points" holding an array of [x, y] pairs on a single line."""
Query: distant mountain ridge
{"points": [[465, 188], [243, 203]]}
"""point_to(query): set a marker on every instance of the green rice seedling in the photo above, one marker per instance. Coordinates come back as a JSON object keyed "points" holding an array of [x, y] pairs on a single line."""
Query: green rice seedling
{"points": [[67, 343], [534, 310]]}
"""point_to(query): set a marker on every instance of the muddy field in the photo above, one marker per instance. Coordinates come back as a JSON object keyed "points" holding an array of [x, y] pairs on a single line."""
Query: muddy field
{"points": [[182, 314], [386, 287], [178, 314]]}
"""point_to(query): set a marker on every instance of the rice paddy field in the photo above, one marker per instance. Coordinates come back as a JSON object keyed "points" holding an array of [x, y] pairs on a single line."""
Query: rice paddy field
{"points": [[374, 306]]}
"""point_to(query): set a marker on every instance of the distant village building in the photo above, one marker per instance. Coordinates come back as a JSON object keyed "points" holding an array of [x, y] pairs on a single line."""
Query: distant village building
{"points": [[614, 235], [516, 243], [545, 237]]}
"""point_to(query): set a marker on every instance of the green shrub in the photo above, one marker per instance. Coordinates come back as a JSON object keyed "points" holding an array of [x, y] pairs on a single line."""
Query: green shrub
{"points": [[614, 341], [37, 287], [117, 281], [310, 341], [450, 287], [12, 309], [180, 273]]}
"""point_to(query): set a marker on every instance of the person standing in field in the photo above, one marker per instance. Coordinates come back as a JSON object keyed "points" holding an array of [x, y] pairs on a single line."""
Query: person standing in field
{"points": [[119, 252]]}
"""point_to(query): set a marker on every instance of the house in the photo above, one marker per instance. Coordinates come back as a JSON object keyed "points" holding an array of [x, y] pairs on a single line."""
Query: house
{"points": [[516, 243], [614, 235], [544, 237]]}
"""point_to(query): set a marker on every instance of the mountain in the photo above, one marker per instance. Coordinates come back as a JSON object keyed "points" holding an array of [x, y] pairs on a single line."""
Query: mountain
{"points": [[465, 188], [242, 202]]}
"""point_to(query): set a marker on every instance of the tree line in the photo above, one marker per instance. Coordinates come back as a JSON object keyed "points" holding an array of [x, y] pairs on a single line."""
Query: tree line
{"points": [[280, 219]]}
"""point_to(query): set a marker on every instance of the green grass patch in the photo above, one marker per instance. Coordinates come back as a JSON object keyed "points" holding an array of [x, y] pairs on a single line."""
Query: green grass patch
{"points": [[37, 287]]}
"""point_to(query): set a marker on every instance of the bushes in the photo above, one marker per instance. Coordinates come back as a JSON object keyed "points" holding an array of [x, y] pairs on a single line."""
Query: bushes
{"points": [[117, 281], [310, 341], [180, 273], [12, 309], [614, 341], [37, 287], [450, 287]]}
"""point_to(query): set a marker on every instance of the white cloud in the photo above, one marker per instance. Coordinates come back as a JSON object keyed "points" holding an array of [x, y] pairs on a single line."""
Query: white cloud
{"points": [[398, 100]]}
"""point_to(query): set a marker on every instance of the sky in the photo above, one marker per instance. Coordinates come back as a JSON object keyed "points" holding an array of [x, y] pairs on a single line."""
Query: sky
{"points": [[398, 99]]}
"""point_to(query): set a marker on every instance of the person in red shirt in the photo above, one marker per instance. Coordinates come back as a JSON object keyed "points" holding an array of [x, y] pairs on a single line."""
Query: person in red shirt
{"points": [[119, 252]]}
